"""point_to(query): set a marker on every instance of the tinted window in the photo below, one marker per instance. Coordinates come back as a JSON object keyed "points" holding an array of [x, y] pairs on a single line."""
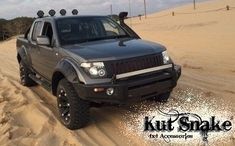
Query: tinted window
{"points": [[36, 30], [47, 31], [84, 29]]}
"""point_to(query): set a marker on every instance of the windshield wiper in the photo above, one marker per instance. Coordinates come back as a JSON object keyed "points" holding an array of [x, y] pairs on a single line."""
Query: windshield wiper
{"points": [[123, 36], [108, 37], [102, 38]]}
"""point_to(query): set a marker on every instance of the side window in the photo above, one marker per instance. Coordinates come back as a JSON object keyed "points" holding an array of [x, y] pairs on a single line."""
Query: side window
{"points": [[47, 31], [27, 33], [36, 30]]}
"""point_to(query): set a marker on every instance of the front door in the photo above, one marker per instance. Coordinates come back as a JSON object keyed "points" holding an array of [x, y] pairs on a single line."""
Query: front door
{"points": [[34, 48], [48, 54]]}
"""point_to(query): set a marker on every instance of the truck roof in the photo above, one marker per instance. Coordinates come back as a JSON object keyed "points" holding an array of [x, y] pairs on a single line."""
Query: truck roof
{"points": [[74, 16]]}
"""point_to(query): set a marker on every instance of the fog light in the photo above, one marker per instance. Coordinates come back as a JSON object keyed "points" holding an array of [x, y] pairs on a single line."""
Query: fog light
{"points": [[99, 89], [110, 91]]}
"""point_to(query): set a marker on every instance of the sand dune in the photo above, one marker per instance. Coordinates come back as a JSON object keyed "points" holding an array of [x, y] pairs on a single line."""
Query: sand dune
{"points": [[203, 43]]}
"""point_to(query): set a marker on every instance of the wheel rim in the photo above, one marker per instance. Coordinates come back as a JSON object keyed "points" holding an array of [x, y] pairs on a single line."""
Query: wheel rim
{"points": [[22, 74], [64, 106]]}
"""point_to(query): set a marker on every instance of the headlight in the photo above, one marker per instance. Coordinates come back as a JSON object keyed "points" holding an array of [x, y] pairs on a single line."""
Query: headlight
{"points": [[95, 69], [166, 57]]}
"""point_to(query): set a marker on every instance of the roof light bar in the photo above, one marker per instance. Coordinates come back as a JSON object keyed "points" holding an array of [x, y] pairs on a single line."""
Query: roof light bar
{"points": [[52, 13]]}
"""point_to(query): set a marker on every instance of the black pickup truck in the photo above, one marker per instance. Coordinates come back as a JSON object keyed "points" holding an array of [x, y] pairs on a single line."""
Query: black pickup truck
{"points": [[93, 59]]}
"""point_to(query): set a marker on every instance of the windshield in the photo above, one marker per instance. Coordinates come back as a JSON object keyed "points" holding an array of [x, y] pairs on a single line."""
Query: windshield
{"points": [[85, 29]]}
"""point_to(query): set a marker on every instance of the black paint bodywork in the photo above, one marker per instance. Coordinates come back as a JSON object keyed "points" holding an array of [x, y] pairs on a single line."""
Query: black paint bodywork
{"points": [[52, 63], [115, 49]]}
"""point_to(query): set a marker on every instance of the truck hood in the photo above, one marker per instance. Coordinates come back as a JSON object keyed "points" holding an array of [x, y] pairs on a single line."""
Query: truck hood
{"points": [[115, 49]]}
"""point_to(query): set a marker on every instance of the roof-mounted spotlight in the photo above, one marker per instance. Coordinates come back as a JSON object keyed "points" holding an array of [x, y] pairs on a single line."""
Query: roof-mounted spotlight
{"points": [[63, 12], [40, 13], [52, 13], [75, 12]]}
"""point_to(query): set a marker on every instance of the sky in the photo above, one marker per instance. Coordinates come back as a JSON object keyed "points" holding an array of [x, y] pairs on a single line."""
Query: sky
{"points": [[14, 8]]}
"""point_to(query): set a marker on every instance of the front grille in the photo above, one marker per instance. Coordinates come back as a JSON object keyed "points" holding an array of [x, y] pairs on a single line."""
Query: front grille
{"points": [[133, 64]]}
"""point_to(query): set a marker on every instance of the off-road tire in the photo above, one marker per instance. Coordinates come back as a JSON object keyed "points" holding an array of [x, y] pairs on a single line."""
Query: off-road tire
{"points": [[25, 80], [78, 109]]}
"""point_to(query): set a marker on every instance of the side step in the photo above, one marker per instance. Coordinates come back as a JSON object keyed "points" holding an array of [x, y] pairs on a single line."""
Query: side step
{"points": [[33, 77], [41, 82]]}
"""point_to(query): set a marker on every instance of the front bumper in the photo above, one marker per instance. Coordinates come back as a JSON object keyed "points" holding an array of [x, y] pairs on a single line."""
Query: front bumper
{"points": [[132, 89]]}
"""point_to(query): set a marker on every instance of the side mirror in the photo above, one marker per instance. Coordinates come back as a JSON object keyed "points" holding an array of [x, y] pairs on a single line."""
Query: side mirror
{"points": [[43, 40]]}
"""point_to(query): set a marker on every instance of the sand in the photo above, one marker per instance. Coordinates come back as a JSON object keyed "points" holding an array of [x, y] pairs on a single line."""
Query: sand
{"points": [[203, 43]]}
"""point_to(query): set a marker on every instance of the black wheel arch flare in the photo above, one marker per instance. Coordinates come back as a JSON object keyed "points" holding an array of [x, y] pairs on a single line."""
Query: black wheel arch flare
{"points": [[66, 68]]}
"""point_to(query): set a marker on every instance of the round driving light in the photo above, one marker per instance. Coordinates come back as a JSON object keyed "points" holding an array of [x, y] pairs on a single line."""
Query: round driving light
{"points": [[52, 13], [40, 13], [101, 73], [63, 12], [75, 12], [110, 91]]}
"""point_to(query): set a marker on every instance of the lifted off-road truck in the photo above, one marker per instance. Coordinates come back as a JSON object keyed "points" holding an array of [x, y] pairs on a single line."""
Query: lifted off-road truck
{"points": [[93, 59]]}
